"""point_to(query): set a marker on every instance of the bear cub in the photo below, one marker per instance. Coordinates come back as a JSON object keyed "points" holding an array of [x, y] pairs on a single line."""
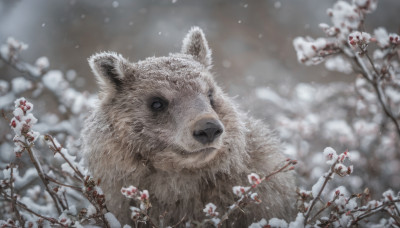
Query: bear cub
{"points": [[164, 125]]}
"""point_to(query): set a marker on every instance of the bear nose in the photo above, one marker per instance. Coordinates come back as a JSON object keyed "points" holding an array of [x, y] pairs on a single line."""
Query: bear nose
{"points": [[207, 130]]}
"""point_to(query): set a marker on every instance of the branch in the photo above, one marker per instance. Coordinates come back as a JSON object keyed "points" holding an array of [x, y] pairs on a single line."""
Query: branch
{"points": [[375, 82], [56, 149], [26, 208], [13, 199], [42, 176], [24, 68], [266, 178], [327, 178]]}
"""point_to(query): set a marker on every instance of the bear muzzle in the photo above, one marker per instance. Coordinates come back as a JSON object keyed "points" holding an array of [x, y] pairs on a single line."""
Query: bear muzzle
{"points": [[206, 130]]}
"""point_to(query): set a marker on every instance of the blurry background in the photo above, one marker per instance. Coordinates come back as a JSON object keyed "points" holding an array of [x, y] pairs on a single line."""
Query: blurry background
{"points": [[252, 49], [251, 40]]}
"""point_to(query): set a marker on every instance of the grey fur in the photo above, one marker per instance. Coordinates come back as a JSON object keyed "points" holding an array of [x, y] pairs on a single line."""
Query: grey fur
{"points": [[126, 143]]}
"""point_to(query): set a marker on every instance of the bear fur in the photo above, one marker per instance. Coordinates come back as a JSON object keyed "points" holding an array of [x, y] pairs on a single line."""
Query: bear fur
{"points": [[129, 140]]}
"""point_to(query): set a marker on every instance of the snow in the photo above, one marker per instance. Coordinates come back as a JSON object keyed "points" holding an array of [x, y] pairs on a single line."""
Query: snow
{"points": [[54, 81], [18, 45], [254, 178], [299, 222], [6, 155], [29, 176], [239, 190], [359, 39], [260, 224], [269, 95], [115, 4], [306, 49], [278, 223], [394, 38], [129, 192], [316, 188], [393, 94], [389, 195], [254, 196], [340, 169], [381, 36], [22, 123], [42, 62], [4, 87], [20, 85], [91, 210], [66, 168], [340, 130], [330, 155], [112, 220], [6, 100], [305, 92], [71, 75], [209, 210], [366, 5], [135, 212], [144, 195], [338, 63], [344, 16]]}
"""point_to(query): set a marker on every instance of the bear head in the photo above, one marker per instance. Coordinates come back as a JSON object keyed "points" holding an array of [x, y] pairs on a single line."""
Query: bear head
{"points": [[169, 111]]}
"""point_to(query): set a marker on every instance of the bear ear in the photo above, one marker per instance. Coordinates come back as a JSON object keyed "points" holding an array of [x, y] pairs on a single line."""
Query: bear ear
{"points": [[109, 68], [195, 44]]}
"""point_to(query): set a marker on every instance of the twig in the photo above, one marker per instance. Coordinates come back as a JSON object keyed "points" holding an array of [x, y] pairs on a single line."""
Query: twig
{"points": [[327, 178], [42, 176], [65, 185], [23, 206], [58, 150], [24, 68], [13, 199], [324, 208], [266, 178], [374, 81], [183, 218]]}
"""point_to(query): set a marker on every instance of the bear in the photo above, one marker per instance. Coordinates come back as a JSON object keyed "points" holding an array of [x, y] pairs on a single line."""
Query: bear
{"points": [[164, 125]]}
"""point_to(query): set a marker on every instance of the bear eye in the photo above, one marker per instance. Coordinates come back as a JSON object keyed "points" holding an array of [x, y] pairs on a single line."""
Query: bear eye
{"points": [[158, 104], [210, 97]]}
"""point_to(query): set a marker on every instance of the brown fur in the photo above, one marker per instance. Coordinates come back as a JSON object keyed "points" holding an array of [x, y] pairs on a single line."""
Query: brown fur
{"points": [[126, 143]]}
